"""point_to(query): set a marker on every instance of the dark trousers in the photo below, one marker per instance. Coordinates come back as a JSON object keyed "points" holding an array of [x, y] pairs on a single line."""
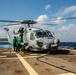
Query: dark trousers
{"points": [[14, 47], [18, 47]]}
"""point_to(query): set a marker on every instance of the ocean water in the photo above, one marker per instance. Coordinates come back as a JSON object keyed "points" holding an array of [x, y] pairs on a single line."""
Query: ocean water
{"points": [[69, 44], [5, 45]]}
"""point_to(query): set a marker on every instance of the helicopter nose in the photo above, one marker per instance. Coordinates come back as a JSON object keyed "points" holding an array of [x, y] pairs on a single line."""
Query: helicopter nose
{"points": [[56, 41], [40, 42]]}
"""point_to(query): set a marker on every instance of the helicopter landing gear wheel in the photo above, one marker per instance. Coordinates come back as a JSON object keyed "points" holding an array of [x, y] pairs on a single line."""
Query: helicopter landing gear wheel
{"points": [[23, 48], [49, 51], [29, 49]]}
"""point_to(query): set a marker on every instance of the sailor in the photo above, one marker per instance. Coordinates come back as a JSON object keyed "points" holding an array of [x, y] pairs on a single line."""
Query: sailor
{"points": [[14, 41], [18, 43], [21, 31]]}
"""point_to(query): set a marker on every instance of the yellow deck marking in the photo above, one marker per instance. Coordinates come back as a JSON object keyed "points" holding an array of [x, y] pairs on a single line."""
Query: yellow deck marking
{"points": [[74, 50], [27, 66], [9, 58], [17, 58], [33, 54], [2, 56], [7, 52], [30, 56], [66, 74]]}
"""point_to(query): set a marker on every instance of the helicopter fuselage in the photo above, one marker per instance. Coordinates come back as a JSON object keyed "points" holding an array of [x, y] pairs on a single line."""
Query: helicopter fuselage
{"points": [[36, 39], [39, 40]]}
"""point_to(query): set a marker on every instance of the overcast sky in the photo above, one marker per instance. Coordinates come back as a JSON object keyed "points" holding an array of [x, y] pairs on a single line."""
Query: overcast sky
{"points": [[42, 10]]}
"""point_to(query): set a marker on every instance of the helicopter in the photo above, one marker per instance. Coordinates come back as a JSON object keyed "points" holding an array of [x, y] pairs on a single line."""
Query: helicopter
{"points": [[34, 39]]}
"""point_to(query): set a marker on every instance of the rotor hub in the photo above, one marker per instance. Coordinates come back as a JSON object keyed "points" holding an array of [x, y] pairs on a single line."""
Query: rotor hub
{"points": [[28, 22]]}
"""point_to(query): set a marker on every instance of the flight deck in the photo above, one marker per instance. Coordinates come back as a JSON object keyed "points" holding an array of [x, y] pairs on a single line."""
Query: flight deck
{"points": [[62, 62]]}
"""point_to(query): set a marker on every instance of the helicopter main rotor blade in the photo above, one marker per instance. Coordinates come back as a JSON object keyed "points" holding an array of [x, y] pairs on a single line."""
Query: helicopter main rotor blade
{"points": [[67, 18], [64, 19], [34, 21], [70, 18], [47, 24], [20, 23], [50, 24], [10, 24], [8, 21]]}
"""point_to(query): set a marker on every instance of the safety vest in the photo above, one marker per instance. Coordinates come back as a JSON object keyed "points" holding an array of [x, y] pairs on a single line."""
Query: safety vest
{"points": [[14, 40], [19, 41]]}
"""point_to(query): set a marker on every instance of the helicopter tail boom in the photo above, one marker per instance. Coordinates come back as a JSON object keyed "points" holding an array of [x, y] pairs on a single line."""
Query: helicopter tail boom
{"points": [[8, 36]]}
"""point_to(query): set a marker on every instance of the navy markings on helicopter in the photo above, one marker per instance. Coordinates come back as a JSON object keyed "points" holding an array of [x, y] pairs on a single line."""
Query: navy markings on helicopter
{"points": [[34, 39]]}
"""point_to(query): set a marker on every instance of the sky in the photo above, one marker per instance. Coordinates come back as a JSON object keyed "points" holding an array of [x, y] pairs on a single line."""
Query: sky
{"points": [[41, 10]]}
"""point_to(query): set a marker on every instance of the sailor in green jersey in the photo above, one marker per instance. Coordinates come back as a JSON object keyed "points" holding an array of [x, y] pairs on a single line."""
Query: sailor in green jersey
{"points": [[18, 43], [14, 41]]}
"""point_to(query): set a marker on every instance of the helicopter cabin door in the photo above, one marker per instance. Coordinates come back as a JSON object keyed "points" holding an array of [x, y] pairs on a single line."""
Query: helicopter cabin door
{"points": [[32, 39]]}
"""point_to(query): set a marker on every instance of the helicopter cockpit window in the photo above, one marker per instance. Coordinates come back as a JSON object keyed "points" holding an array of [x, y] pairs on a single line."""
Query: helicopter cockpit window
{"points": [[39, 34], [45, 34], [49, 33], [32, 36]]}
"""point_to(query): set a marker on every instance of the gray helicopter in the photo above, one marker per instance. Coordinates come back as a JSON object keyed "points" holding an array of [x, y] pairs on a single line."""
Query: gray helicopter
{"points": [[34, 39]]}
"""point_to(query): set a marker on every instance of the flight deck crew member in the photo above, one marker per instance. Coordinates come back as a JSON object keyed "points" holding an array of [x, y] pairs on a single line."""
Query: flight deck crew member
{"points": [[18, 43], [14, 41]]}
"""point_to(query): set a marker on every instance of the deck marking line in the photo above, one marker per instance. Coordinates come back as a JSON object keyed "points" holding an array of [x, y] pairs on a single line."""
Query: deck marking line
{"points": [[33, 54], [74, 50], [9, 58], [2, 56], [17, 58], [7, 52], [66, 74], [27, 66]]}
